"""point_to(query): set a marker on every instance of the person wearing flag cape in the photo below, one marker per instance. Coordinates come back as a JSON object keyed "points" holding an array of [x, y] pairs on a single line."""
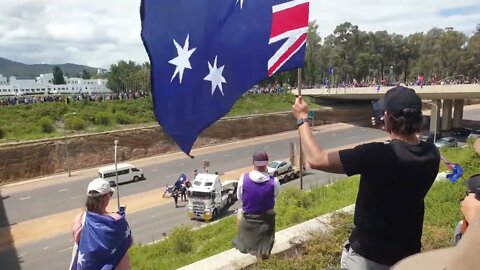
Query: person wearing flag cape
{"points": [[101, 239]]}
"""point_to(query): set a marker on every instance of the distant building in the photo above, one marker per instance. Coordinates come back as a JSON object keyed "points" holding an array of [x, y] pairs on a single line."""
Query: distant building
{"points": [[101, 71], [3, 80], [43, 85], [46, 78]]}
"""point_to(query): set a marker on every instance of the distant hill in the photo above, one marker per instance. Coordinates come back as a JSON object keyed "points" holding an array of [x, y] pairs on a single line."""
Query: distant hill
{"points": [[23, 71]]}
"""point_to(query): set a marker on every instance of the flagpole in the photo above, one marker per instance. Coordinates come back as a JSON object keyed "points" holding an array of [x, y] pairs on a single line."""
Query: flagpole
{"points": [[300, 159]]}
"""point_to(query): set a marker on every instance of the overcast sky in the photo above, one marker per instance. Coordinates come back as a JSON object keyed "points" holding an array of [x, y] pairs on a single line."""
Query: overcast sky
{"points": [[101, 32]]}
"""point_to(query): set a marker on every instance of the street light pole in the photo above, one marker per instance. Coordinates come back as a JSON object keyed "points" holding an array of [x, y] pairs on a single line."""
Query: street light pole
{"points": [[391, 75], [436, 119], [116, 176], [66, 144]]}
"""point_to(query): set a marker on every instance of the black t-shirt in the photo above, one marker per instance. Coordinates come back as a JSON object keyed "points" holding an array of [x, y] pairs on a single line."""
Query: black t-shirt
{"points": [[395, 177]]}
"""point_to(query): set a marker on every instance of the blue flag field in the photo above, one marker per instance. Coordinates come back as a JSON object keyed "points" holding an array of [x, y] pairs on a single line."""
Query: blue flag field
{"points": [[205, 54]]}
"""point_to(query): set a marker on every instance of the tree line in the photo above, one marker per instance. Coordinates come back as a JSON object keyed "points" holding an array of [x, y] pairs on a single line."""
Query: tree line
{"points": [[350, 54]]}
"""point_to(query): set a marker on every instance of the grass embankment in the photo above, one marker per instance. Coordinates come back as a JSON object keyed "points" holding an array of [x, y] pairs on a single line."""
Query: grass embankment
{"points": [[293, 206], [441, 215], [39, 121]]}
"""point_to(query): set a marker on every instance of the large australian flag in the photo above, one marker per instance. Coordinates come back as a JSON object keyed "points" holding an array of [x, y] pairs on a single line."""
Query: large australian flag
{"points": [[205, 54]]}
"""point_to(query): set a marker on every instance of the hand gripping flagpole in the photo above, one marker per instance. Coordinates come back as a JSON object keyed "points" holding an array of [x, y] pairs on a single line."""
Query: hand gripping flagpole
{"points": [[300, 159]]}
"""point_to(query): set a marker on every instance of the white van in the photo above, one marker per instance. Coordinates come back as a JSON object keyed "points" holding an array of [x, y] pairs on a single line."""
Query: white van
{"points": [[126, 173]]}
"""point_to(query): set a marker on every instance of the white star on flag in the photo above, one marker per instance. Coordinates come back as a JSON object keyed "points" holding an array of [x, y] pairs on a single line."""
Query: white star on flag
{"points": [[241, 3], [182, 60], [215, 76], [113, 251], [127, 232], [80, 258]]}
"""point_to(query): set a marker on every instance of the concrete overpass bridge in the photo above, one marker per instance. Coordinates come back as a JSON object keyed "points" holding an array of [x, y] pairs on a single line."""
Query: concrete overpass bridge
{"points": [[449, 99]]}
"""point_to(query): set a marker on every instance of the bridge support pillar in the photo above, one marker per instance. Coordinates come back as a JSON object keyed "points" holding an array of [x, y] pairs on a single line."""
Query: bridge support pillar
{"points": [[435, 116], [447, 114], [458, 112]]}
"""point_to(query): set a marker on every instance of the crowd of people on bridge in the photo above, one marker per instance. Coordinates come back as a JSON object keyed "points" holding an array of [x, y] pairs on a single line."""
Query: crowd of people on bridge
{"points": [[377, 83]]}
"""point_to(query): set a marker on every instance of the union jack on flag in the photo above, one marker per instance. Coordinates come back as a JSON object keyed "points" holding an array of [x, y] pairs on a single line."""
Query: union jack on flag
{"points": [[205, 54], [289, 21]]}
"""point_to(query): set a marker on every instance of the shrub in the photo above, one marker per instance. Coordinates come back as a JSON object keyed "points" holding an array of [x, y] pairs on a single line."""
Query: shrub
{"points": [[46, 125], [123, 118], [2, 133], [103, 118], [75, 123], [181, 239]]}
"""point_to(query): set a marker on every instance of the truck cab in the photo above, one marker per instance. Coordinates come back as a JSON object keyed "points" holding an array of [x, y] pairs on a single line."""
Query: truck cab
{"points": [[209, 196]]}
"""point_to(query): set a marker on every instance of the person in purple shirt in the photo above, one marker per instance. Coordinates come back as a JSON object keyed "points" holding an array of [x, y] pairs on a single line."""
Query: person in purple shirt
{"points": [[256, 220]]}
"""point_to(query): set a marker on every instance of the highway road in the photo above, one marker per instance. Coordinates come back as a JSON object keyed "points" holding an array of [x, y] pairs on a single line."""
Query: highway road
{"points": [[472, 113], [39, 202], [51, 199], [153, 223], [150, 224]]}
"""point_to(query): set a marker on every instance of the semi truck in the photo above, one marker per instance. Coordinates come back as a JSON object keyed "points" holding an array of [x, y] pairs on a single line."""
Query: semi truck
{"points": [[209, 196]]}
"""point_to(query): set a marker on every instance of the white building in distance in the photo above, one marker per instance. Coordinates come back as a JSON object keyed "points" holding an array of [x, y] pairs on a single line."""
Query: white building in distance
{"points": [[43, 85]]}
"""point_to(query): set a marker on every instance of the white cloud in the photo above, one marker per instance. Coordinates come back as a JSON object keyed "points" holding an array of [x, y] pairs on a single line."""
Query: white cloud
{"points": [[399, 16], [99, 33]]}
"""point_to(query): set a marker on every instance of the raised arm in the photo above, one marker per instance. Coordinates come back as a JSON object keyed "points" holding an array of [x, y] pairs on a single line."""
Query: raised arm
{"points": [[316, 157]]}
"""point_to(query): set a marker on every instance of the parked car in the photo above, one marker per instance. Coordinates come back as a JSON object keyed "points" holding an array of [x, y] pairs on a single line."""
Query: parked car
{"points": [[446, 142], [475, 134], [463, 132], [278, 167], [430, 137]]}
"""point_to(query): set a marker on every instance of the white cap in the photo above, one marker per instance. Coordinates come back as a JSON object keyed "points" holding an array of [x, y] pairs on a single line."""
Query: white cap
{"points": [[99, 185]]}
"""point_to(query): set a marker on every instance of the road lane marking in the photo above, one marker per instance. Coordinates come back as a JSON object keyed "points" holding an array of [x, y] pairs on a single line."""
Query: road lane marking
{"points": [[25, 198], [155, 170], [62, 190], [45, 248], [28, 231], [76, 197], [171, 175], [154, 160], [65, 249]]}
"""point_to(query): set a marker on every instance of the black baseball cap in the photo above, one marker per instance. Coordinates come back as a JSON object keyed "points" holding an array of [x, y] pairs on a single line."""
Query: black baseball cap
{"points": [[260, 158], [473, 183], [399, 98]]}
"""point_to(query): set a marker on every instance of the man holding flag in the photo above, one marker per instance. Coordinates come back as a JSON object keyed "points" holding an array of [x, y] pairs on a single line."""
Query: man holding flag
{"points": [[206, 53]]}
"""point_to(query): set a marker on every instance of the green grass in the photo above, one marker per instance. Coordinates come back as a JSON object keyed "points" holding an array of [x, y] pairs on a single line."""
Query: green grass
{"points": [[293, 207], [23, 122], [265, 103], [442, 212]]}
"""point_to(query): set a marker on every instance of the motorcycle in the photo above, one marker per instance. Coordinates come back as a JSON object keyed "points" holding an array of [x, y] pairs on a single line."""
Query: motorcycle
{"points": [[168, 192]]}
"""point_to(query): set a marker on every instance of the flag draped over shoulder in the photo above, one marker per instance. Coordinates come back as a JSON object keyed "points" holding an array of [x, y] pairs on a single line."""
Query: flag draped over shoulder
{"points": [[205, 54], [103, 243]]}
